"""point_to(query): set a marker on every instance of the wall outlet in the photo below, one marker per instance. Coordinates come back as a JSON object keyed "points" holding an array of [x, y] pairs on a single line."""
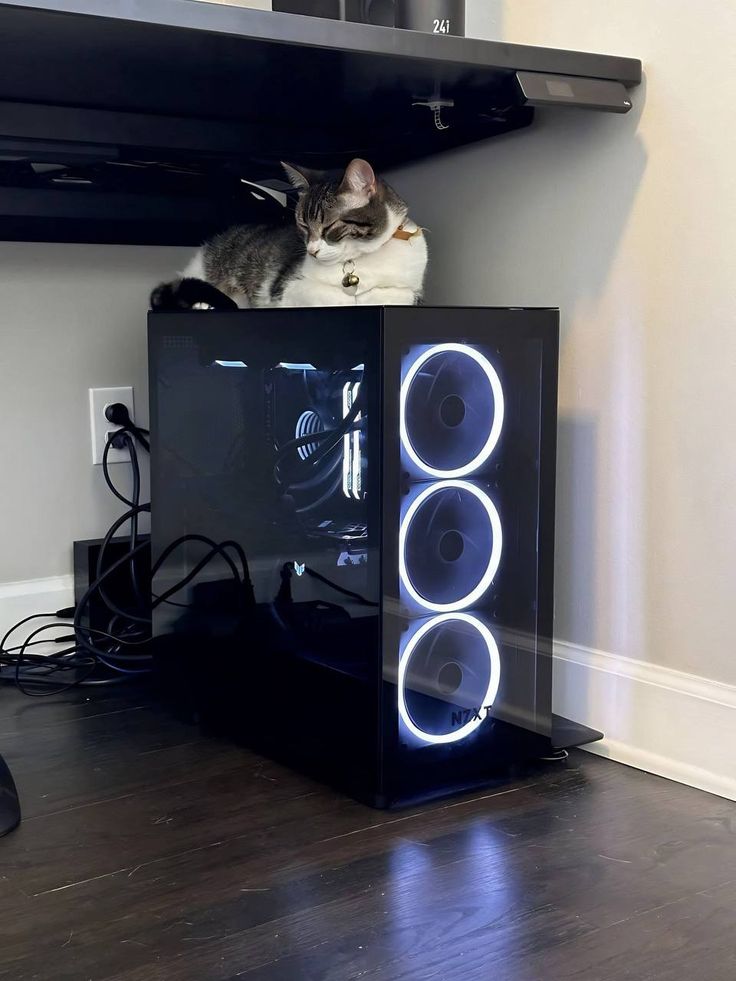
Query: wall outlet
{"points": [[100, 428]]}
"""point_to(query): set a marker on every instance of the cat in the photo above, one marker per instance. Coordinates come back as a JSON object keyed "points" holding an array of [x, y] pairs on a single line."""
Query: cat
{"points": [[352, 243]]}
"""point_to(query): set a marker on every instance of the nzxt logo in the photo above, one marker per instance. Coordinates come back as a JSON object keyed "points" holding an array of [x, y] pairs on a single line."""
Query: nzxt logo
{"points": [[299, 569], [464, 716]]}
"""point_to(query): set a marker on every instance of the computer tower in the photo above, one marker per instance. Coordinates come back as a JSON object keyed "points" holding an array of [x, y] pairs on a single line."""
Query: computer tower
{"points": [[353, 537]]}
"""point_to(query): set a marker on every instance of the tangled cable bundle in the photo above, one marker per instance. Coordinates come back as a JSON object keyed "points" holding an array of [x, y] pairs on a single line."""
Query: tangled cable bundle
{"points": [[90, 656]]}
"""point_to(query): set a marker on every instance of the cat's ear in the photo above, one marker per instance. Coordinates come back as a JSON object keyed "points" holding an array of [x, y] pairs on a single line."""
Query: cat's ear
{"points": [[359, 179], [302, 177]]}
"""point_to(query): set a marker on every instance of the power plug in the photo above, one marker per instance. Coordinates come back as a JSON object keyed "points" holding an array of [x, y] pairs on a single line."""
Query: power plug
{"points": [[102, 427]]}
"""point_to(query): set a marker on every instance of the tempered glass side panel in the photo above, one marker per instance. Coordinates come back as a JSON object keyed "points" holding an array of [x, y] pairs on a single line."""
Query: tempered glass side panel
{"points": [[264, 423], [470, 408]]}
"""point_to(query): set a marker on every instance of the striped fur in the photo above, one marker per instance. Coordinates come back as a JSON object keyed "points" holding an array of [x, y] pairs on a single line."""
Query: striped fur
{"points": [[351, 219]]}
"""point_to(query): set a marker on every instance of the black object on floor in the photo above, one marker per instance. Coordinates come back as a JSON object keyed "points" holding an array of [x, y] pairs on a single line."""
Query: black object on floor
{"points": [[9, 803], [118, 586], [566, 733], [151, 853]]}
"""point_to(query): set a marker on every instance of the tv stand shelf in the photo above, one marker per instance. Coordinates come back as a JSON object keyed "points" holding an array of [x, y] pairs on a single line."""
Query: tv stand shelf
{"points": [[135, 122]]}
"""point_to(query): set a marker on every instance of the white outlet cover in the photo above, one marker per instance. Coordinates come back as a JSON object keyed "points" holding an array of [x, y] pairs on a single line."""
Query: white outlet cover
{"points": [[100, 428]]}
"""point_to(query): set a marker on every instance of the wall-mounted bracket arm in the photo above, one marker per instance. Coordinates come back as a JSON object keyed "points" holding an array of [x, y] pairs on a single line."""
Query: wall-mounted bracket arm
{"points": [[601, 94]]}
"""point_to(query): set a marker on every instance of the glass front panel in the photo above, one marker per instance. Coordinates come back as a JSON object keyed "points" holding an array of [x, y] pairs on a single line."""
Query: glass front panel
{"points": [[263, 426], [461, 646]]}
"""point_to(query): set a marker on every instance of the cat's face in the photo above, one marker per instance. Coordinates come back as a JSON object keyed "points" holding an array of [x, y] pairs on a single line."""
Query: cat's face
{"points": [[344, 219]]}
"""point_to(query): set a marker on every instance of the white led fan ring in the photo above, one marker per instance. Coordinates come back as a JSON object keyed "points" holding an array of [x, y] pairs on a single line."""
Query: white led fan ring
{"points": [[496, 425], [488, 698], [493, 560]]}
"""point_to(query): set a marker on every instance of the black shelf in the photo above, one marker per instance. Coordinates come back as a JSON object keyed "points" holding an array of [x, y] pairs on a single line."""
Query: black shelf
{"points": [[224, 92]]}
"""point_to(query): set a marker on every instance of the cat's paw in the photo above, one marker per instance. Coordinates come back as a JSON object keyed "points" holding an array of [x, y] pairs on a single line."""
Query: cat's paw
{"points": [[190, 294], [163, 297]]}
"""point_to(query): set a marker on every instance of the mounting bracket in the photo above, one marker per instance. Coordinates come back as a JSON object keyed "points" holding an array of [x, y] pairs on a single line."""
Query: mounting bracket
{"points": [[539, 89]]}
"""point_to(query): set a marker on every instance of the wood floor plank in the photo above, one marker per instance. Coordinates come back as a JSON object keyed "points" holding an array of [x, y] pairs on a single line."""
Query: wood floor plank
{"points": [[151, 852]]}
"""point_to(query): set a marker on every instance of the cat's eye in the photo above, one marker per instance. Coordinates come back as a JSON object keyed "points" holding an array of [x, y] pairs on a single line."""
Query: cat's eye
{"points": [[347, 221]]}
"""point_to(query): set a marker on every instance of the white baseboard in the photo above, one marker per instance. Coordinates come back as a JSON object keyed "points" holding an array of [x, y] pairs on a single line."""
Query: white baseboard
{"points": [[35, 587], [22, 599], [667, 722]]}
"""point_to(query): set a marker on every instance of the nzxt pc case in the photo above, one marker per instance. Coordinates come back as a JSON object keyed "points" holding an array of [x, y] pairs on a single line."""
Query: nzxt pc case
{"points": [[353, 537]]}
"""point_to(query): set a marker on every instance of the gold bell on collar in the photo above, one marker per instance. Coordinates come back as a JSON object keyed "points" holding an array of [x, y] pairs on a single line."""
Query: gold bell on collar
{"points": [[349, 279]]}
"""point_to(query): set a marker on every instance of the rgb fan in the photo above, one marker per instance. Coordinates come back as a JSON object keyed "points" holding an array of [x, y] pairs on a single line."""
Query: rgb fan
{"points": [[448, 678], [451, 410], [449, 545]]}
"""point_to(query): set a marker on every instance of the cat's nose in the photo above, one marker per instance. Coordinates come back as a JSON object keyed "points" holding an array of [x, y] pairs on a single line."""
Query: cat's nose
{"points": [[313, 248]]}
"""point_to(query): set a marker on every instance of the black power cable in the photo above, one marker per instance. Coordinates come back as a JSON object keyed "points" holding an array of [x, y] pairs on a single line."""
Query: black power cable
{"points": [[117, 413], [110, 444], [144, 613], [122, 651], [288, 568]]}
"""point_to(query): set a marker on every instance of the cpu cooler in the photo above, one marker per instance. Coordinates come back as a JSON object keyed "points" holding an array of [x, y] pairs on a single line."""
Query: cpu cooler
{"points": [[316, 424]]}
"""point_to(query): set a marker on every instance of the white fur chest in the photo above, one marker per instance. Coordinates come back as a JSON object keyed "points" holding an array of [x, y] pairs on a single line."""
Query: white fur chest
{"points": [[398, 263], [394, 274]]}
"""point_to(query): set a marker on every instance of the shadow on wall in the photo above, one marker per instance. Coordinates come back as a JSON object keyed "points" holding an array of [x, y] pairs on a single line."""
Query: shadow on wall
{"points": [[536, 218], [533, 218], [575, 585]]}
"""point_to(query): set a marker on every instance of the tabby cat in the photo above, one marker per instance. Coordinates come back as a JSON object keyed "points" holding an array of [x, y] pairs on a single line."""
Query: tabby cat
{"points": [[352, 243]]}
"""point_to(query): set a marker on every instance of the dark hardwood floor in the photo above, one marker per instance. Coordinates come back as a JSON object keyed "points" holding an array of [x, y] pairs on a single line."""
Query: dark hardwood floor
{"points": [[151, 853]]}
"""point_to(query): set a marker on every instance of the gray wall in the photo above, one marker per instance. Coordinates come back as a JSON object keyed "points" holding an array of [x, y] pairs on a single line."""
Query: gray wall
{"points": [[72, 317], [629, 225]]}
